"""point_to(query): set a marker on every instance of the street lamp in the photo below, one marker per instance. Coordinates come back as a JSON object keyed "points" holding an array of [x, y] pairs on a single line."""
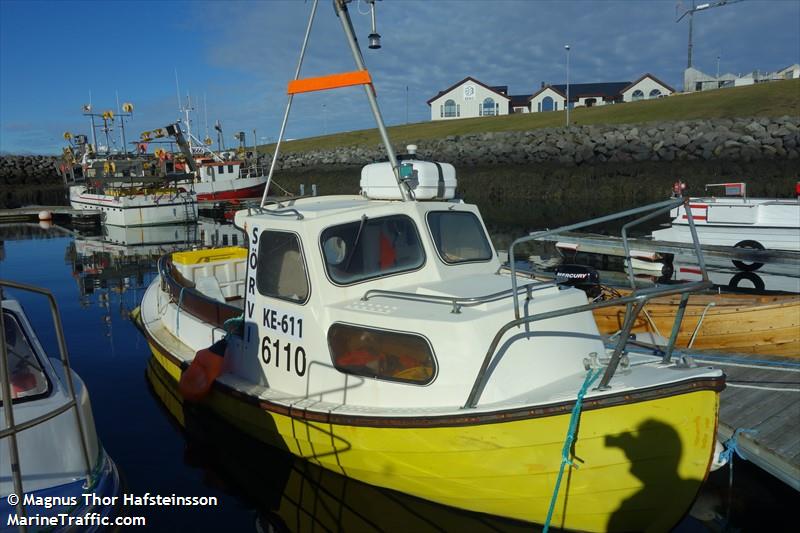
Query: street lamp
{"points": [[566, 47], [324, 120]]}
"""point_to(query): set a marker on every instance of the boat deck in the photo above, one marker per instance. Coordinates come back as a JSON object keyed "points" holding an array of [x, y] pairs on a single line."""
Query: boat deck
{"points": [[763, 394]]}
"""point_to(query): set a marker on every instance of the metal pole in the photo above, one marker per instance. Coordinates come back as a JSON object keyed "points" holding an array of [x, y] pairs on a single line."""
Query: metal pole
{"points": [[406, 104], [289, 103], [566, 47], [691, 20], [344, 16]]}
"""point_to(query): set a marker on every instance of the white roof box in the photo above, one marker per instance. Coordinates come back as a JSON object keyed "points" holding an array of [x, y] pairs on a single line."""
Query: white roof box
{"points": [[428, 181]]}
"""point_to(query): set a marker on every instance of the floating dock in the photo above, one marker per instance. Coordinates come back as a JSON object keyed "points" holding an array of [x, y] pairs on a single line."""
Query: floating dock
{"points": [[763, 396], [58, 212]]}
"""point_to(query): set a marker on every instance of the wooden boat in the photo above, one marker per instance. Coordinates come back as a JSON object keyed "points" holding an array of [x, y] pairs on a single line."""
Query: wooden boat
{"points": [[723, 322], [376, 336]]}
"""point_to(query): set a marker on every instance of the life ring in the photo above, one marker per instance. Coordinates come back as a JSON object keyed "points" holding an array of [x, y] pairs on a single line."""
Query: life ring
{"points": [[748, 267]]}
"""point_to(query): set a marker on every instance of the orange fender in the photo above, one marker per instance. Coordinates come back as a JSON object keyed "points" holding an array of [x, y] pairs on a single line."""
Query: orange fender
{"points": [[196, 381]]}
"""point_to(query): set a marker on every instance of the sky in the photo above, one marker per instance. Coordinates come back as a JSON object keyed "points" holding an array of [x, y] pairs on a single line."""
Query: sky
{"points": [[234, 58]]}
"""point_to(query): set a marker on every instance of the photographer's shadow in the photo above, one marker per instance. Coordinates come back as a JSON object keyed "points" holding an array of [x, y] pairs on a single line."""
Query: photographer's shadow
{"points": [[654, 451]]}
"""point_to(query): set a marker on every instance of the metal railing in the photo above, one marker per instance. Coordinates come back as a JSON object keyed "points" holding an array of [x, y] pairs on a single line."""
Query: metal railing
{"points": [[456, 302], [12, 429], [634, 303]]}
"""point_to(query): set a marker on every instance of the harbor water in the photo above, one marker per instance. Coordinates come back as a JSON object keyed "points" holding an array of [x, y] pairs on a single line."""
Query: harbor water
{"points": [[162, 448]]}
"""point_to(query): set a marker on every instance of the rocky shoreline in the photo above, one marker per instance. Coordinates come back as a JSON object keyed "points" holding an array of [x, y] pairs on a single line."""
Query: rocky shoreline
{"points": [[668, 148]]}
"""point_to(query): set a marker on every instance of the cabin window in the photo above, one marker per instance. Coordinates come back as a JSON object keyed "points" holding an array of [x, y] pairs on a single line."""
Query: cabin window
{"points": [[371, 248], [281, 268], [459, 237], [26, 375], [221, 169], [230, 169], [381, 354]]}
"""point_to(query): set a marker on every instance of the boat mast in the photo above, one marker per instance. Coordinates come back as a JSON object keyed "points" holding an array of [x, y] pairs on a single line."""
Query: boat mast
{"points": [[347, 25]]}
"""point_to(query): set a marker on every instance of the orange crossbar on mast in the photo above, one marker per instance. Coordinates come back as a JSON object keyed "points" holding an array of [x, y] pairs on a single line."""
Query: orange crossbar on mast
{"points": [[332, 81]]}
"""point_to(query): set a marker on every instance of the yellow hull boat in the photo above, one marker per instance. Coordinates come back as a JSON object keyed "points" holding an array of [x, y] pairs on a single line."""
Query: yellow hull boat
{"points": [[506, 463]]}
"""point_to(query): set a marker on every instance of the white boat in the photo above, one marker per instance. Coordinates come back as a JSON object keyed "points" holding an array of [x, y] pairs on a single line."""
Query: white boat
{"points": [[377, 335], [737, 220], [134, 205], [50, 455]]}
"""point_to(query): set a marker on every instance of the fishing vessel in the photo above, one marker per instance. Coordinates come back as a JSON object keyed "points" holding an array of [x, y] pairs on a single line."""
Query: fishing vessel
{"points": [[377, 336], [49, 449], [737, 220]]}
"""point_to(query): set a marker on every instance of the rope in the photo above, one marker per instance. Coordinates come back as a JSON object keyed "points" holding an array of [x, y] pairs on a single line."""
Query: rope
{"points": [[178, 314], [565, 451], [233, 324], [732, 445]]}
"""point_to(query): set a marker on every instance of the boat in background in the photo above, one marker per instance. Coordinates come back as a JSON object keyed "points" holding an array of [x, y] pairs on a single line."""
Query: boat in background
{"points": [[128, 190], [738, 221], [49, 446]]}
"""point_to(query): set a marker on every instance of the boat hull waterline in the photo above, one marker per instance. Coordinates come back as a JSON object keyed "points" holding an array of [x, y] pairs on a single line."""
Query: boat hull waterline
{"points": [[504, 463]]}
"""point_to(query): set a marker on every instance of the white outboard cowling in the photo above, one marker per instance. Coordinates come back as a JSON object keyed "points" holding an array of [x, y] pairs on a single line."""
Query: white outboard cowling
{"points": [[427, 180]]}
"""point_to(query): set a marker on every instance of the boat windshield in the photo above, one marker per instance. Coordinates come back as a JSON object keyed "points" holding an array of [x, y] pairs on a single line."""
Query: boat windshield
{"points": [[371, 248], [26, 376], [459, 237]]}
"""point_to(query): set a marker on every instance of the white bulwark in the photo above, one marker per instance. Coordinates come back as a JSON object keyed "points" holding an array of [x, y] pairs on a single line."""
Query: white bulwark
{"points": [[472, 98]]}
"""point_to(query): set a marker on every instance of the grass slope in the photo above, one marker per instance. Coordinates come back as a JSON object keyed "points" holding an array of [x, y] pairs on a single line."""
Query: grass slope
{"points": [[768, 99]]}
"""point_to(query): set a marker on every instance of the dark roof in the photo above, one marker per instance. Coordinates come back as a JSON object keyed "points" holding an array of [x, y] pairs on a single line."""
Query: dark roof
{"points": [[502, 89], [469, 78], [578, 90], [519, 100], [647, 75]]}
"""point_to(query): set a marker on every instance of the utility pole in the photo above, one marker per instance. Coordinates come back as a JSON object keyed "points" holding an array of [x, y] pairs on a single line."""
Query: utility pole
{"points": [[695, 8], [406, 104], [566, 47]]}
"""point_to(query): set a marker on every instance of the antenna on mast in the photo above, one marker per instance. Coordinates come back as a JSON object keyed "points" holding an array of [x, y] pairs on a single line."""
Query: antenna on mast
{"points": [[178, 91]]}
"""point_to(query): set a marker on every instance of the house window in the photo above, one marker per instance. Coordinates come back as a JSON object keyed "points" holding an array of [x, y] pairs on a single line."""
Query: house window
{"points": [[450, 109], [547, 104], [637, 95], [487, 108], [281, 269], [655, 93]]}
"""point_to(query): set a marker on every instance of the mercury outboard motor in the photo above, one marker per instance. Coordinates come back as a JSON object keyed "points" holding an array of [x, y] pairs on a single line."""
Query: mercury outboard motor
{"points": [[581, 277]]}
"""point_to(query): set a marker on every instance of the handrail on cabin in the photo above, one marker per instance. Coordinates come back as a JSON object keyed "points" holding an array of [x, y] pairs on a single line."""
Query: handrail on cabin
{"points": [[456, 302], [638, 298]]}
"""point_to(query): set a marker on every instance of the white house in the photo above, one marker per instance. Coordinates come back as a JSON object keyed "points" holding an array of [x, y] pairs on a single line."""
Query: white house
{"points": [[695, 80], [470, 98], [554, 97]]}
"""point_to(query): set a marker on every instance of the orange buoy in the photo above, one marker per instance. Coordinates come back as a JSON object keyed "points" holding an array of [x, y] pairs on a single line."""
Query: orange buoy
{"points": [[196, 381]]}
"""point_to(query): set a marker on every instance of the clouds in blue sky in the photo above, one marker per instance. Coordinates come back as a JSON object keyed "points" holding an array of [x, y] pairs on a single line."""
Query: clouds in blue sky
{"points": [[241, 54]]}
